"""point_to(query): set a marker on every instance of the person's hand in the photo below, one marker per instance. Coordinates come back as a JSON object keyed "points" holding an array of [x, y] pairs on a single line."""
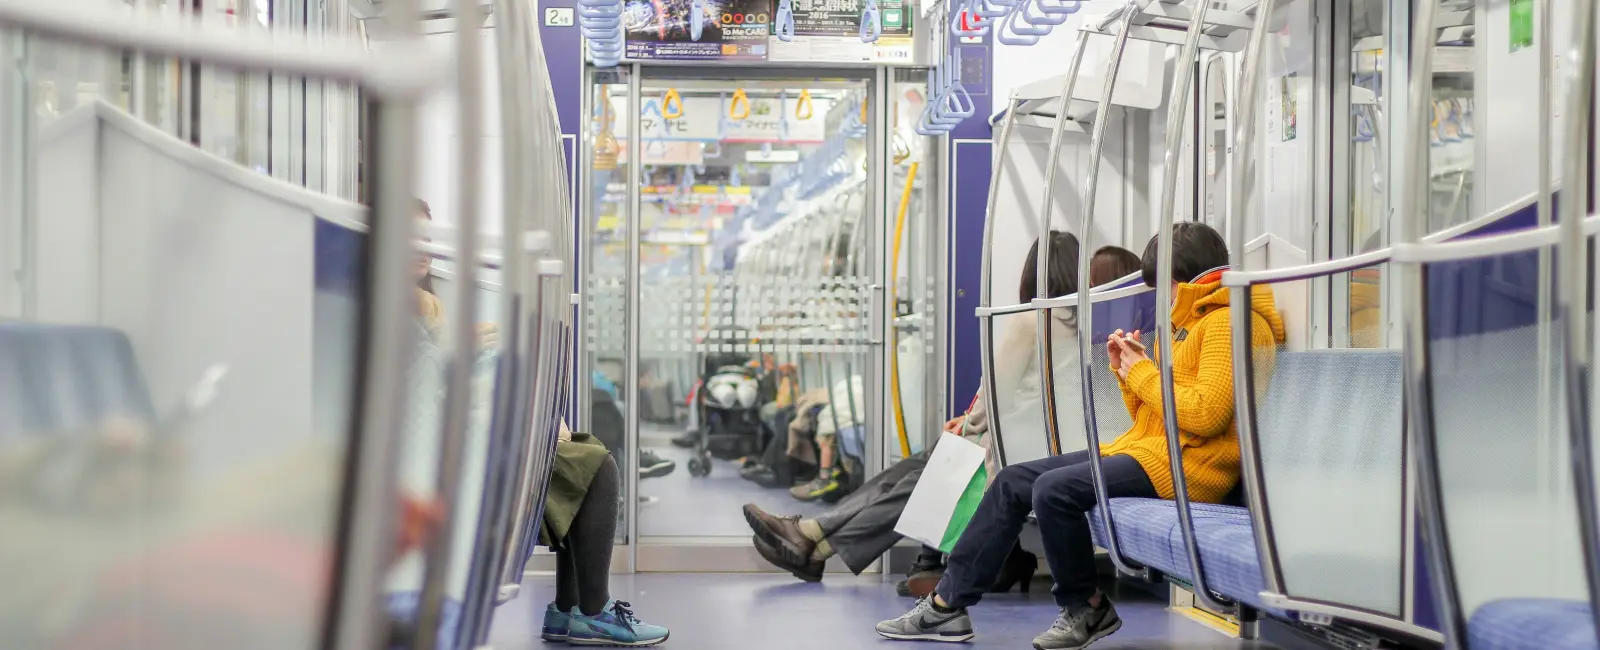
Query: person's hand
{"points": [[418, 519], [1132, 353], [1114, 348], [488, 335], [954, 425]]}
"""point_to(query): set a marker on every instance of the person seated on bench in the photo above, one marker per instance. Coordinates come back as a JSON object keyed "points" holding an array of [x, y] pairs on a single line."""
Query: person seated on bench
{"points": [[580, 524], [1060, 490], [861, 528]]}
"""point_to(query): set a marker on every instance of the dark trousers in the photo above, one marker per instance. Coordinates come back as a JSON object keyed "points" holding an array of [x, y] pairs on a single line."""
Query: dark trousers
{"points": [[861, 527], [583, 563], [1060, 491]]}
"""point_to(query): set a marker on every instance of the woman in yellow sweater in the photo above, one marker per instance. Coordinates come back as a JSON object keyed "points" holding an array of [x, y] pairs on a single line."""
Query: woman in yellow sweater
{"points": [[1060, 490]]}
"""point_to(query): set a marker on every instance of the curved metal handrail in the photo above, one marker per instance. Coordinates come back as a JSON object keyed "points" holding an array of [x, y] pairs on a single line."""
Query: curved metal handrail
{"points": [[1306, 271], [1124, 566]]}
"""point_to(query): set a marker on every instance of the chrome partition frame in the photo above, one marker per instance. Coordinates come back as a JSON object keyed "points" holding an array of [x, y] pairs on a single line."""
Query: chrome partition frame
{"points": [[1044, 338], [1574, 260], [1177, 109], [355, 616], [1124, 22], [1239, 284], [985, 312]]}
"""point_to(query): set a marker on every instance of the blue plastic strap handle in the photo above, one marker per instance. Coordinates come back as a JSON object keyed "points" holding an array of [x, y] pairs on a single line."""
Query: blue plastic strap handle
{"points": [[1022, 24], [783, 116], [1006, 33], [785, 20], [697, 18], [871, 26], [1050, 20], [990, 10], [1066, 8]]}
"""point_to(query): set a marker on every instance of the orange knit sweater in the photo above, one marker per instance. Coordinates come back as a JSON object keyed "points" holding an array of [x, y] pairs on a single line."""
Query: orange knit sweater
{"points": [[1202, 373]]}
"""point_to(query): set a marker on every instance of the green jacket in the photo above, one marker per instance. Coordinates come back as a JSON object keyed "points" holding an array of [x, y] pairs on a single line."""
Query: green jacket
{"points": [[576, 464]]}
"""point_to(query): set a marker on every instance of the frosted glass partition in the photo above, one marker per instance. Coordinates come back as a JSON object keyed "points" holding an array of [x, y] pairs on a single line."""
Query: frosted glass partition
{"points": [[177, 415], [1501, 448], [1018, 395], [1128, 308], [420, 449], [1330, 436]]}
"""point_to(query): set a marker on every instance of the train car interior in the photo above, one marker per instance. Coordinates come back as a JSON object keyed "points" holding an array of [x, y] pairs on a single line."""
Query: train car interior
{"points": [[798, 324]]}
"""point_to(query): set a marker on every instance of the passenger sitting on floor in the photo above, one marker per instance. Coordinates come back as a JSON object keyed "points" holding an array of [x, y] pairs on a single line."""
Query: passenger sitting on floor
{"points": [[580, 523], [1060, 490], [861, 528]]}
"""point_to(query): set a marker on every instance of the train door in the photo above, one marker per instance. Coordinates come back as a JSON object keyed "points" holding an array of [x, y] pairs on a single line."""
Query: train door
{"points": [[740, 243]]}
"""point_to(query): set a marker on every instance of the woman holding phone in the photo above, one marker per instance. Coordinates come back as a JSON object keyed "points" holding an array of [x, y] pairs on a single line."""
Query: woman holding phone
{"points": [[1060, 489]]}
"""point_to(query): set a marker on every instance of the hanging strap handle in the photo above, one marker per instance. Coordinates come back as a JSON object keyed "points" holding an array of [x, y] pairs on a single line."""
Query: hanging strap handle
{"points": [[739, 108], [671, 104]]}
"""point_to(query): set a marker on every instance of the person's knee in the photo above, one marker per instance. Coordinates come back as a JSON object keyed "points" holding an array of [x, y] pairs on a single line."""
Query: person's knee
{"points": [[1014, 481], [1071, 487]]}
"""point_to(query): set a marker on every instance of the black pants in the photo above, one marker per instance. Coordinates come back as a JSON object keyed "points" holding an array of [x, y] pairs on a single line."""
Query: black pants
{"points": [[861, 528], [583, 563], [1060, 491]]}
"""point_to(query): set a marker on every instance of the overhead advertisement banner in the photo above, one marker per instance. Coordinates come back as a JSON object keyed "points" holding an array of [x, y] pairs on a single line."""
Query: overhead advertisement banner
{"points": [[735, 30], [843, 18]]}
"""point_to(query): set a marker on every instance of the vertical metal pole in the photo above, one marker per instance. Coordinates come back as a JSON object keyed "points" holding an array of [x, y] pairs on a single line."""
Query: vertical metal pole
{"points": [[1045, 338], [879, 168], [1573, 286], [1176, 106], [1412, 220], [630, 317], [463, 336], [357, 620], [1545, 299], [1085, 316], [1241, 162], [986, 291]]}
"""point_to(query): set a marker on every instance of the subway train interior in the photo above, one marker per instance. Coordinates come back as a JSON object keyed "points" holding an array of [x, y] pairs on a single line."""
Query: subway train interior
{"points": [[798, 324]]}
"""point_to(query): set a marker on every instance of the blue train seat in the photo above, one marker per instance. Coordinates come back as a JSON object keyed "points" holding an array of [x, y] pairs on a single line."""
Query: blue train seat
{"points": [[1531, 624], [60, 378], [403, 606], [1312, 389]]}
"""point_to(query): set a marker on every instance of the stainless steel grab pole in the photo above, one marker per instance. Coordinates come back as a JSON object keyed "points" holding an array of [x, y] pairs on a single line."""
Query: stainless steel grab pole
{"points": [[1046, 334], [1177, 108], [1085, 333]]}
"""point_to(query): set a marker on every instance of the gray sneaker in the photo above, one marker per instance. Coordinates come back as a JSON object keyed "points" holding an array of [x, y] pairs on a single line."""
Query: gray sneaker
{"points": [[924, 623], [1077, 627]]}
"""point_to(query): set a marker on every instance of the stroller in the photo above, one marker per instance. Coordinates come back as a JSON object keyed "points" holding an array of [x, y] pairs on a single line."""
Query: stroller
{"points": [[727, 410]]}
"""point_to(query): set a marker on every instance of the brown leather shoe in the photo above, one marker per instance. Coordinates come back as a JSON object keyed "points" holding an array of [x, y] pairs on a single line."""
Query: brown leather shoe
{"points": [[922, 583], [782, 533], [808, 570]]}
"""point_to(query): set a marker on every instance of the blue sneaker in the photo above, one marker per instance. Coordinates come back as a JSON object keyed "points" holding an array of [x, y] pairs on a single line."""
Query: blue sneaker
{"points": [[557, 624], [614, 626]]}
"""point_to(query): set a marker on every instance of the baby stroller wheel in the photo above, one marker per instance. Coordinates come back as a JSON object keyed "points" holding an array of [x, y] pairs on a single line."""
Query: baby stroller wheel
{"points": [[699, 466]]}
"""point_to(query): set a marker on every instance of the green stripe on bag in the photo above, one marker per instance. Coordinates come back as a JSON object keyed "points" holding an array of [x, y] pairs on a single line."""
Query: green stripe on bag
{"points": [[968, 504]]}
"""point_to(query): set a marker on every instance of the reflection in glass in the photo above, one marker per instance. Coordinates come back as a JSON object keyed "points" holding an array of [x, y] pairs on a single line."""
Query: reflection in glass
{"points": [[1500, 433], [1332, 461]]}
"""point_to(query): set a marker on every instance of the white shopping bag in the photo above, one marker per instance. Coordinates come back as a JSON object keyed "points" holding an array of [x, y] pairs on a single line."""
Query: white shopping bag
{"points": [[946, 482]]}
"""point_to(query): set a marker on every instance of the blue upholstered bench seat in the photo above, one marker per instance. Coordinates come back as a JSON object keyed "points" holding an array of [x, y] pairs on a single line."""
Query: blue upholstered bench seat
{"points": [[1147, 531], [403, 607], [1532, 624]]}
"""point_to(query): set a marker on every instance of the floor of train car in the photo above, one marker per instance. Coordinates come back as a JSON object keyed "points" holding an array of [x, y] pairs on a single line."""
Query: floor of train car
{"points": [[680, 505], [708, 611]]}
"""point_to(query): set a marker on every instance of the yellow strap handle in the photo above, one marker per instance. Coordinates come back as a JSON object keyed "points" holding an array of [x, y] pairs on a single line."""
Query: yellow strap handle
{"points": [[894, 350], [671, 105], [739, 106], [802, 107]]}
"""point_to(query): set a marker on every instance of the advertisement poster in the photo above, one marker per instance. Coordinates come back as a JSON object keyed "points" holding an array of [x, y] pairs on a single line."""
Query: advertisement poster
{"points": [[843, 18], [730, 29]]}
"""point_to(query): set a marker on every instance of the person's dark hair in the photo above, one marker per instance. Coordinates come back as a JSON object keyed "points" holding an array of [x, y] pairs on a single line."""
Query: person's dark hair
{"points": [[1110, 263], [1063, 268], [1197, 248]]}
